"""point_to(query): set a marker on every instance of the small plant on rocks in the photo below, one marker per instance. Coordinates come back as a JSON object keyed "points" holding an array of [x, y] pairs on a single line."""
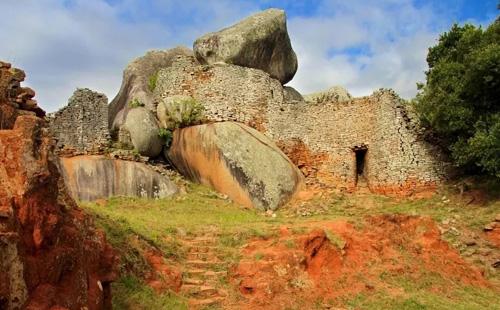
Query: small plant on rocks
{"points": [[135, 103]]}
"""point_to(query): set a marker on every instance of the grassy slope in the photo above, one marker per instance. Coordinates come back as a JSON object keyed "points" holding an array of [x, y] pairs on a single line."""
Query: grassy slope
{"points": [[160, 223]]}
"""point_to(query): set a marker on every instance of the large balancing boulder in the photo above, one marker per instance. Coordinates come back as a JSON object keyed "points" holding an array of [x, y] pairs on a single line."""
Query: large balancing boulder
{"points": [[238, 161], [143, 129], [260, 41], [139, 81]]}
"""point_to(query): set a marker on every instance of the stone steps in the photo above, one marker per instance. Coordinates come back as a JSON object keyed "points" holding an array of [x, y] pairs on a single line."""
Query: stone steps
{"points": [[202, 273], [203, 263], [205, 302]]}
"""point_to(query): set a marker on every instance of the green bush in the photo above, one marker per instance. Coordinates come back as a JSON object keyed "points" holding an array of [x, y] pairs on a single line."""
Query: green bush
{"points": [[182, 112], [460, 102], [135, 103], [166, 135], [152, 82]]}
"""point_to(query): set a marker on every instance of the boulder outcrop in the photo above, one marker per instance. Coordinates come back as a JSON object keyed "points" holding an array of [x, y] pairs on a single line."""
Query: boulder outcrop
{"points": [[144, 132], [95, 177], [292, 95], [51, 257], [237, 161], [260, 41], [139, 81], [333, 94]]}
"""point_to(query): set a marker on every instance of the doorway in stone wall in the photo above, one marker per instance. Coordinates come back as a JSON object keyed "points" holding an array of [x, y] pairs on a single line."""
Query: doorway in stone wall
{"points": [[360, 155]]}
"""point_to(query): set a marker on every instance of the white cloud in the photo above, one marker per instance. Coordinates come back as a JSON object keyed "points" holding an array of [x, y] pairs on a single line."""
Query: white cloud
{"points": [[394, 37], [65, 44]]}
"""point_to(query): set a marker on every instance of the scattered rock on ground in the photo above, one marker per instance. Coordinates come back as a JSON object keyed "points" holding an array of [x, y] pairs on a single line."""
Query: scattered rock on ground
{"points": [[292, 95], [260, 41]]}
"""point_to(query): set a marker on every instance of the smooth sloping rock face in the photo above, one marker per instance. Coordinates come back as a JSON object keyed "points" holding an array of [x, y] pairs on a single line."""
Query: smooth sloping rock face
{"points": [[238, 161], [143, 129], [333, 94], [260, 41], [95, 177], [50, 255], [136, 82]]}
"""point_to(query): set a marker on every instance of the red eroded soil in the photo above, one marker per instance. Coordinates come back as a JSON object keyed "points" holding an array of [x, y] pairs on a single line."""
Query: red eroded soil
{"points": [[494, 235], [163, 277], [51, 255], [282, 271]]}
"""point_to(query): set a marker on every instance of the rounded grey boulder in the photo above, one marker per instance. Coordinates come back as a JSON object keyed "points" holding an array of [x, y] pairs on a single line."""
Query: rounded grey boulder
{"points": [[291, 95], [333, 94], [144, 132], [260, 41], [238, 161]]}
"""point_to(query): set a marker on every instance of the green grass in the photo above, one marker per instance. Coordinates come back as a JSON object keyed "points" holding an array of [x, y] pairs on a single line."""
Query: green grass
{"points": [[130, 293], [416, 297], [134, 224], [192, 213], [152, 81]]}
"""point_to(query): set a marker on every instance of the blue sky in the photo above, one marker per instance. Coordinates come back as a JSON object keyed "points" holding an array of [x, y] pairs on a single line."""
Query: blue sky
{"points": [[360, 44]]}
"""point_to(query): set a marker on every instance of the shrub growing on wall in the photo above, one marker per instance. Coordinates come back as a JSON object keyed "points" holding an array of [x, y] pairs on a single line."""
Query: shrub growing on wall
{"points": [[178, 112], [460, 101]]}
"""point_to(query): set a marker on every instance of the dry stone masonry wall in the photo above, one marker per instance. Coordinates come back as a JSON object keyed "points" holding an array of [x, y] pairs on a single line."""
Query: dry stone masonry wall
{"points": [[320, 137], [228, 92], [82, 125], [397, 161]]}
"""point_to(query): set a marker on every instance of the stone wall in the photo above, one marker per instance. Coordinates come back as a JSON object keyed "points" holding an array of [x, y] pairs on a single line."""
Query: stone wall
{"points": [[82, 125], [228, 92], [397, 161], [320, 138]]}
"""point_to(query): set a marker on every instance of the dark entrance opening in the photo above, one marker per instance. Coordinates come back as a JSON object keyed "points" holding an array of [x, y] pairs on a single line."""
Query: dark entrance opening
{"points": [[360, 153], [360, 161]]}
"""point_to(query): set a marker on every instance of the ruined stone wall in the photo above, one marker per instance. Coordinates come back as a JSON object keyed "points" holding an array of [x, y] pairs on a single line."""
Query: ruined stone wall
{"points": [[82, 125], [397, 161], [228, 92], [318, 137]]}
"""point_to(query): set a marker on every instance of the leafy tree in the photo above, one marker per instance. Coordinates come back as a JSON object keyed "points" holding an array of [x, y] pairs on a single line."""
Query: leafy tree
{"points": [[460, 101]]}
